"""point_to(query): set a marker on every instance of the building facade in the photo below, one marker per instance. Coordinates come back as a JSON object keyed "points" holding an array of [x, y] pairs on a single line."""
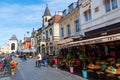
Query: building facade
{"points": [[88, 26], [100, 24], [44, 39], [4, 49], [11, 47], [13, 44]]}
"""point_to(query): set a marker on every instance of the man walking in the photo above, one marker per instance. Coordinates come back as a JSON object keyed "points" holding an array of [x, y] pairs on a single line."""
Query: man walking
{"points": [[39, 60]]}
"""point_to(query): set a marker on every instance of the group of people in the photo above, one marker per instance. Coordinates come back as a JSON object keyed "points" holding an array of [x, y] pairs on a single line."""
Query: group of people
{"points": [[40, 59], [7, 65]]}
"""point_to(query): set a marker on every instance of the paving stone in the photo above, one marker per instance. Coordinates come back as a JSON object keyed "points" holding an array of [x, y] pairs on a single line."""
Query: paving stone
{"points": [[28, 71]]}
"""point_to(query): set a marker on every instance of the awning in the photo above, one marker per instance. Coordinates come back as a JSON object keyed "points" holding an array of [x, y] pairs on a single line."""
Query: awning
{"points": [[28, 50], [64, 41], [102, 39]]}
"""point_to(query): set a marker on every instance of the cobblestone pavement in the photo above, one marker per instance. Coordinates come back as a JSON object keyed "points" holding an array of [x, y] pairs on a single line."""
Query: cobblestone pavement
{"points": [[28, 71], [5, 78]]}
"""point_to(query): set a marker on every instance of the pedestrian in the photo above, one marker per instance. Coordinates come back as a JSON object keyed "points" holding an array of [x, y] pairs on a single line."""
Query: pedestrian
{"points": [[24, 56], [39, 60], [36, 60], [45, 60]]}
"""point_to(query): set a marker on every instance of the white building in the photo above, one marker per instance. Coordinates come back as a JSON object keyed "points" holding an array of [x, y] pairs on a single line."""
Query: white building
{"points": [[4, 48], [95, 14], [12, 46]]}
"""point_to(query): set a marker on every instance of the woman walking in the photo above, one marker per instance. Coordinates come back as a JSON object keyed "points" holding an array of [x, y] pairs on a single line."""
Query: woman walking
{"points": [[36, 60]]}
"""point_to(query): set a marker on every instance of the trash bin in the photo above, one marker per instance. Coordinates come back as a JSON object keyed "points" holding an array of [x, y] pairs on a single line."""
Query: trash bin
{"points": [[45, 63], [56, 61], [71, 69], [84, 73]]}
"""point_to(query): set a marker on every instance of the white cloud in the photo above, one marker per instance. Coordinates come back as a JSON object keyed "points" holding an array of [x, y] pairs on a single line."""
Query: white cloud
{"points": [[18, 19]]}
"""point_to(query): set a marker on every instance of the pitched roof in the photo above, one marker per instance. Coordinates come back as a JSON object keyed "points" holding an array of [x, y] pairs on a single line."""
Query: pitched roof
{"points": [[28, 39], [56, 18], [13, 37], [47, 11]]}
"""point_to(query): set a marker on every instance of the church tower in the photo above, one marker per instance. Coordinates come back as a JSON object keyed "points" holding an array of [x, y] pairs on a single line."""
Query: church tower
{"points": [[46, 16], [13, 44]]}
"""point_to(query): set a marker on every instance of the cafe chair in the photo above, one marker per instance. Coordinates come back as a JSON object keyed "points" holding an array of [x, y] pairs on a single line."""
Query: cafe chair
{"points": [[111, 77], [118, 77], [90, 73], [101, 73]]}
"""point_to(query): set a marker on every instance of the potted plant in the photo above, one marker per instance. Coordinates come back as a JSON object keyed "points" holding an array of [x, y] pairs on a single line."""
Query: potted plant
{"points": [[69, 58], [84, 59]]}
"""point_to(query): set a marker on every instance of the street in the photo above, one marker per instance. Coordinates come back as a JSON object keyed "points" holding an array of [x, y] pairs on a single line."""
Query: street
{"points": [[27, 71]]}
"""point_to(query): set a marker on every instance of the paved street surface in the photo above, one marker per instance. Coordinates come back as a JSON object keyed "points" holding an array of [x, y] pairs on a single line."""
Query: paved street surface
{"points": [[28, 71]]}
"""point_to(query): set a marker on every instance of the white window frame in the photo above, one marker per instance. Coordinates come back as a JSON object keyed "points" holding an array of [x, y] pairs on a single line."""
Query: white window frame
{"points": [[77, 29], [88, 14], [68, 30], [111, 6]]}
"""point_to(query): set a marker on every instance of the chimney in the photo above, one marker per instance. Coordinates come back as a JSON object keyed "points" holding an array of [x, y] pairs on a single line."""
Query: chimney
{"points": [[59, 13]]}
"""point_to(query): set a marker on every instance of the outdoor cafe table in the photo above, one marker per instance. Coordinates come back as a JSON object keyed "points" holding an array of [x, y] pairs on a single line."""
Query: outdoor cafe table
{"points": [[94, 66], [117, 72]]}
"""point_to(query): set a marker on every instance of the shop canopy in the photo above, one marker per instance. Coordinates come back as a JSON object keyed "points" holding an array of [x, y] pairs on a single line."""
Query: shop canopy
{"points": [[102, 39], [28, 50]]}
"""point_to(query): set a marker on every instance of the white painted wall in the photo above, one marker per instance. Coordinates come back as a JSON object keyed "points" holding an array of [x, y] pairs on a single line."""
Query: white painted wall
{"points": [[100, 18], [16, 45], [4, 48]]}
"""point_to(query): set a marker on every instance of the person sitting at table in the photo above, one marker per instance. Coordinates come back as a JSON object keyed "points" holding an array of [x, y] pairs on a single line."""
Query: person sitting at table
{"points": [[91, 63], [103, 67], [118, 67], [101, 72]]}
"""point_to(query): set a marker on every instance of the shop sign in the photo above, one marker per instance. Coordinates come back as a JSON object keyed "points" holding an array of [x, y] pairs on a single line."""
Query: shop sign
{"points": [[112, 38], [94, 40], [106, 39]]}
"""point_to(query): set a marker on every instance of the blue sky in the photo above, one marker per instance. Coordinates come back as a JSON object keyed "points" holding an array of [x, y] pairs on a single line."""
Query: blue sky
{"points": [[19, 16]]}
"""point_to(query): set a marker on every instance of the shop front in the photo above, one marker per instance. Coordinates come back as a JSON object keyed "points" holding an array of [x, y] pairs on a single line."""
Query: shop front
{"points": [[99, 46]]}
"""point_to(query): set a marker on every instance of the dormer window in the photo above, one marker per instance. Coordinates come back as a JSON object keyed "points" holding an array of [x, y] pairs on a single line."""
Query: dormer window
{"points": [[72, 6], [64, 12]]}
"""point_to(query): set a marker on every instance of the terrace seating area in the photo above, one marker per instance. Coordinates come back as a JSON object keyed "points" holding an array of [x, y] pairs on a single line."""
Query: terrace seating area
{"points": [[97, 68]]}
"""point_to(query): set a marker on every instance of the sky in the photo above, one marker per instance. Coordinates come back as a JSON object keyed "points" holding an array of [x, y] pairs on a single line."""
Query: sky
{"points": [[21, 16]]}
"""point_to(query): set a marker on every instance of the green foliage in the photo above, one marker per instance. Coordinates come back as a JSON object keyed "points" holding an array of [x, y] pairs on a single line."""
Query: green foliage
{"points": [[118, 60], [69, 56], [83, 58]]}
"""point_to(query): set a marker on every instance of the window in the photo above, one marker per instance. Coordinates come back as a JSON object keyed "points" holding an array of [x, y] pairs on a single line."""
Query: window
{"points": [[45, 19], [88, 15], [110, 5], [62, 32], [13, 46], [114, 4], [71, 8], [65, 12], [51, 31], [77, 27], [68, 30], [46, 34]]}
